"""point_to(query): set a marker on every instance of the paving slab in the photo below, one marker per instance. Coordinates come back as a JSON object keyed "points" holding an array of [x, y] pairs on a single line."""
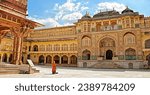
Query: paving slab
{"points": [[74, 72]]}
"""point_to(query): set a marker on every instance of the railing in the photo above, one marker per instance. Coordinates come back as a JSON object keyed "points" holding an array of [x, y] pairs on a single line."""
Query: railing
{"points": [[130, 57]]}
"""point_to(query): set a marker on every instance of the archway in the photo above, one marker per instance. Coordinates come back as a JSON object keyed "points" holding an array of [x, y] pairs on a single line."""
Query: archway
{"points": [[35, 48], [130, 65], [56, 59], [109, 55], [84, 65], [107, 47], [73, 59], [41, 59], [130, 54], [4, 57], [64, 59], [48, 59], [86, 55]]}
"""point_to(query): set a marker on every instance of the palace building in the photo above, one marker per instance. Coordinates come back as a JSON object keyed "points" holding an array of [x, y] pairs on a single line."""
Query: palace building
{"points": [[109, 39]]}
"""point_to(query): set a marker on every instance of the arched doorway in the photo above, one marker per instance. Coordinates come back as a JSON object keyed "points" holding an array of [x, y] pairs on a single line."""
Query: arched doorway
{"points": [[64, 59], [4, 57], [10, 58], [130, 54], [106, 48], [73, 59], [48, 59], [109, 55], [56, 59], [86, 55], [41, 59], [130, 65], [84, 65]]}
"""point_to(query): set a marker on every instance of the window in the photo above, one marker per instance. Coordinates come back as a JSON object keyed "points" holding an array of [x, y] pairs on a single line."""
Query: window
{"points": [[86, 41], [119, 26], [129, 39], [56, 47], [42, 48], [49, 48], [35, 48], [147, 44], [73, 47], [65, 47], [137, 25], [93, 29]]}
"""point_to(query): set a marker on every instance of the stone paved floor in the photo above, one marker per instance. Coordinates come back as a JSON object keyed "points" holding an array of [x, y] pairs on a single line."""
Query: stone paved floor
{"points": [[72, 72]]}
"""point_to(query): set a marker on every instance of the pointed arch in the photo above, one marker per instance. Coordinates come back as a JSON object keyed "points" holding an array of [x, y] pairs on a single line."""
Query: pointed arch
{"points": [[130, 54], [86, 55]]}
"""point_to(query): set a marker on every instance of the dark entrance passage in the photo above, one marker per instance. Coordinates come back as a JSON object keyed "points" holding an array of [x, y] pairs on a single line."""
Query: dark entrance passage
{"points": [[41, 59], [109, 55], [4, 58], [56, 59], [64, 59], [148, 59]]}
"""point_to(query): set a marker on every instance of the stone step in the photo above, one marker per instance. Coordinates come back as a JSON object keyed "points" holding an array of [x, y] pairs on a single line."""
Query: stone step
{"points": [[106, 65], [9, 68], [16, 69], [9, 71], [25, 69]]}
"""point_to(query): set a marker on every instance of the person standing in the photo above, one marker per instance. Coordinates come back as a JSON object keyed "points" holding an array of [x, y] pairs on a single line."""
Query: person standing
{"points": [[54, 68]]}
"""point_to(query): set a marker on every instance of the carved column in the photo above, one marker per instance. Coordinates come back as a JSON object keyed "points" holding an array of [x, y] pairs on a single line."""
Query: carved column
{"points": [[19, 33]]}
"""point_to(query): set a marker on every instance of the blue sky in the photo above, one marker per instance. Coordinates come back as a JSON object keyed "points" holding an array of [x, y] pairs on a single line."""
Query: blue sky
{"points": [[53, 13]]}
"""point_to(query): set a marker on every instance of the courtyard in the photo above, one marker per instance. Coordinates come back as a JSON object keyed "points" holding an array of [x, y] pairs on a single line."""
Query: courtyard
{"points": [[74, 72]]}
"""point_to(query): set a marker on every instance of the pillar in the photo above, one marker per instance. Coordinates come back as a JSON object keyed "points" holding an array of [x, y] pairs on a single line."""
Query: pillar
{"points": [[17, 50], [68, 59], [44, 59], [52, 59], [59, 59], [19, 33], [1, 58], [8, 58]]}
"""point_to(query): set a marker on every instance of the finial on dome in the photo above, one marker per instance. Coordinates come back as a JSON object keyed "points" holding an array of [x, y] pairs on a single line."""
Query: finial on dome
{"points": [[127, 7], [113, 8], [87, 13]]}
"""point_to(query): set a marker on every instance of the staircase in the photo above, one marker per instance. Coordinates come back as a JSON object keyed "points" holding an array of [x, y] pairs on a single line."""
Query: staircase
{"points": [[24, 69], [9, 69], [15, 69], [106, 64]]}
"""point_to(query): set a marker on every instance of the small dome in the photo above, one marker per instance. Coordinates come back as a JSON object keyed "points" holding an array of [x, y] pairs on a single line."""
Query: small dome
{"points": [[107, 13], [127, 10], [86, 16]]}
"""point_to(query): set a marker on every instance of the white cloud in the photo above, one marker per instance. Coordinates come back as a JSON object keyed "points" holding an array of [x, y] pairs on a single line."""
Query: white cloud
{"points": [[72, 16], [48, 22], [70, 11], [65, 14], [110, 6]]}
